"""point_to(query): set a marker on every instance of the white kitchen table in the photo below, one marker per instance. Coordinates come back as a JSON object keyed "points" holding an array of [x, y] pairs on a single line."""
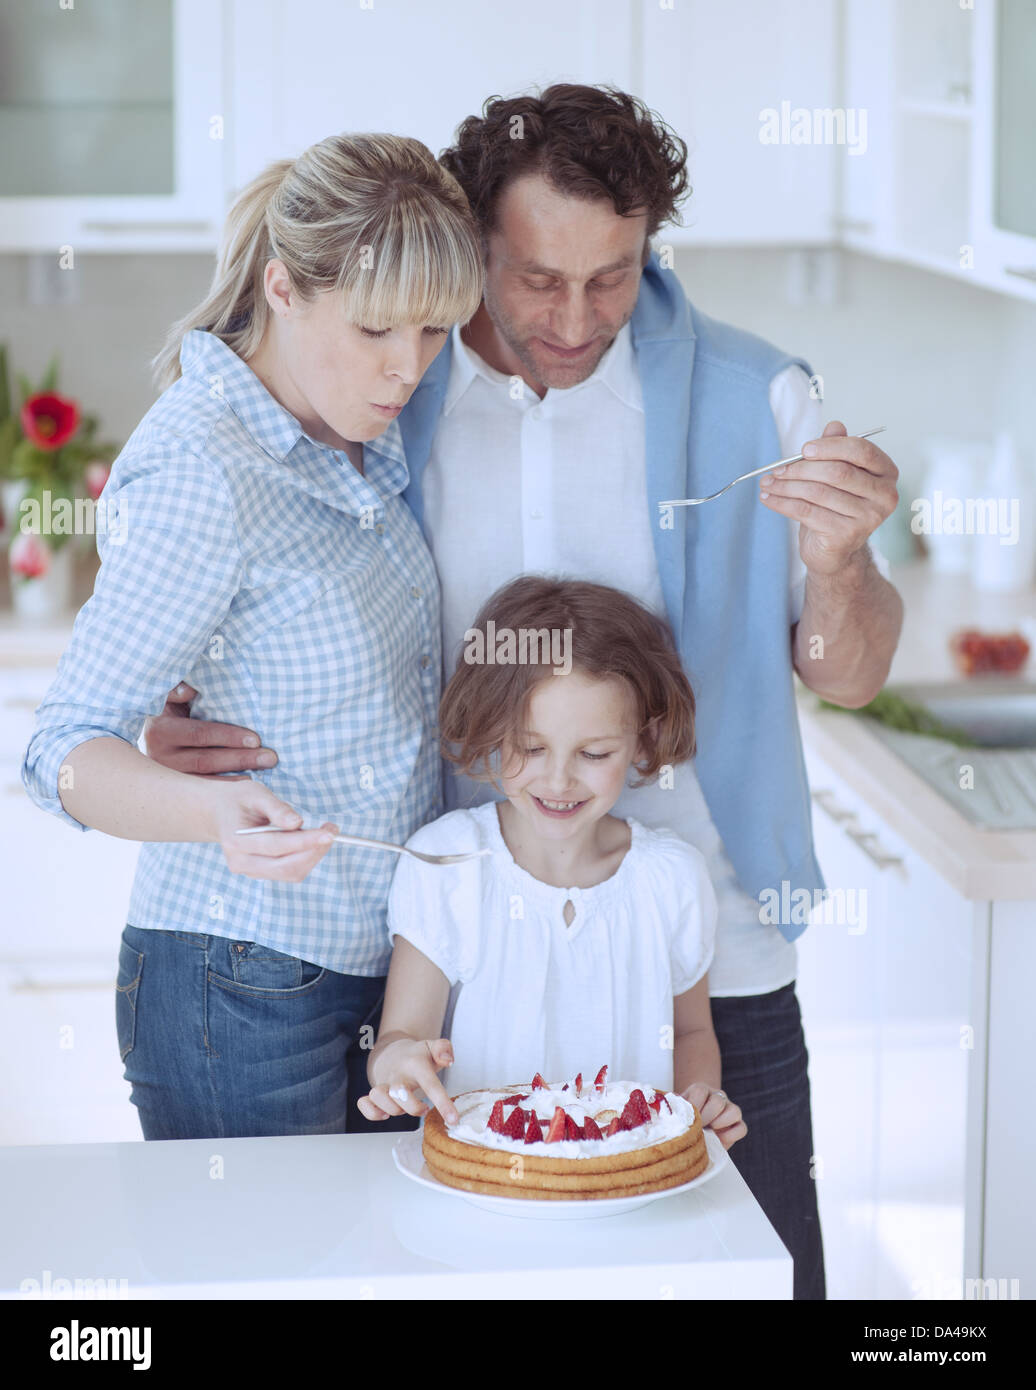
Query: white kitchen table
{"points": [[329, 1216]]}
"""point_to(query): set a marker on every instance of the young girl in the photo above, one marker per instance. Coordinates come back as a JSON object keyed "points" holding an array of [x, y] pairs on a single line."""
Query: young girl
{"points": [[580, 939]]}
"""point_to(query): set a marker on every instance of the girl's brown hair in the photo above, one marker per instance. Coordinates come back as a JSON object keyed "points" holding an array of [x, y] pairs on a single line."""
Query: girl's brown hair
{"points": [[612, 636]]}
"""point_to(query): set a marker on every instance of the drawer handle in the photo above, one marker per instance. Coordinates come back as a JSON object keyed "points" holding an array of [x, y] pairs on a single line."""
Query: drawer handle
{"points": [[21, 702], [826, 801], [871, 846], [59, 986], [1024, 272]]}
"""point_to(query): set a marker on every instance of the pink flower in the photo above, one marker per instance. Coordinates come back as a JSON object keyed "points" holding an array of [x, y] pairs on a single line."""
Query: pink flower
{"points": [[29, 557], [95, 476]]}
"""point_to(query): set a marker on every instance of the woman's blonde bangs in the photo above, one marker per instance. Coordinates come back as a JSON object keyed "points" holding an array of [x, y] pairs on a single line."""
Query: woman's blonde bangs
{"points": [[417, 271]]}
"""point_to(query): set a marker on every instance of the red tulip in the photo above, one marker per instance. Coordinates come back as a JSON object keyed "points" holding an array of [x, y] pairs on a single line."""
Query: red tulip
{"points": [[29, 556], [50, 420], [95, 476]]}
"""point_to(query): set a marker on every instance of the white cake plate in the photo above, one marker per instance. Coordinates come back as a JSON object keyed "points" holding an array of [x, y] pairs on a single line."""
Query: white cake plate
{"points": [[410, 1161]]}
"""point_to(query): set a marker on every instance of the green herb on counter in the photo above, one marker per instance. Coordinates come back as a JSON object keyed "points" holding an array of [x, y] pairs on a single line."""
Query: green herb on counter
{"points": [[913, 718]]}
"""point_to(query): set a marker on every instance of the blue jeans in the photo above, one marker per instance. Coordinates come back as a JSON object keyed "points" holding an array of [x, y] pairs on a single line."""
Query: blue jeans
{"points": [[764, 1058], [226, 1039]]}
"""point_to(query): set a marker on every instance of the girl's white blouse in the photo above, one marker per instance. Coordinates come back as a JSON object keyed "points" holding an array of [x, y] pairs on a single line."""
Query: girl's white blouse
{"points": [[530, 993]]}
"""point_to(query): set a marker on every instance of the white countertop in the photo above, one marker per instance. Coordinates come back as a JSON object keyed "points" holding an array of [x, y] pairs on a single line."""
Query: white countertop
{"points": [[982, 865], [329, 1216]]}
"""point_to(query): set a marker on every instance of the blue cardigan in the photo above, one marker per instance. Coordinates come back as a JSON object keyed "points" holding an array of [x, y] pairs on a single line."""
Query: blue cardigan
{"points": [[724, 575]]}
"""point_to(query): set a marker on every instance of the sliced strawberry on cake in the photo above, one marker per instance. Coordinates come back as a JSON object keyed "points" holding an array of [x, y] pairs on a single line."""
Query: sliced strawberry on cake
{"points": [[514, 1125], [557, 1126], [591, 1129], [496, 1118], [534, 1131], [636, 1110]]}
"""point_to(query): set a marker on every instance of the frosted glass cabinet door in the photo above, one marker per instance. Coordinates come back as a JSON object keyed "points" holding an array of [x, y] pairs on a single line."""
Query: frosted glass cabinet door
{"points": [[1004, 142], [110, 124], [86, 98]]}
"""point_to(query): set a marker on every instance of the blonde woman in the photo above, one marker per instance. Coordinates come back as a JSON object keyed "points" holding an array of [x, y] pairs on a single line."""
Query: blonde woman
{"points": [[257, 545]]}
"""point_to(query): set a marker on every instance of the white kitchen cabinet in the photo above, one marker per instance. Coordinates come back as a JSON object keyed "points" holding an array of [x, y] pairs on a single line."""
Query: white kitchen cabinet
{"points": [[946, 183], [61, 1078], [313, 68], [712, 71], [112, 126], [66, 894], [1009, 1224], [865, 181], [896, 1025], [66, 891], [837, 986]]}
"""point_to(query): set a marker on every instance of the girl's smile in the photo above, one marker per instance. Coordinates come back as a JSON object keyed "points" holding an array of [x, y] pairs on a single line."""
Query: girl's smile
{"points": [[558, 809]]}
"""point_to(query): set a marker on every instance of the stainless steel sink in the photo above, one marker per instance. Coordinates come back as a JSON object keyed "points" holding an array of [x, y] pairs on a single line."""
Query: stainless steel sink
{"points": [[991, 784], [995, 712]]}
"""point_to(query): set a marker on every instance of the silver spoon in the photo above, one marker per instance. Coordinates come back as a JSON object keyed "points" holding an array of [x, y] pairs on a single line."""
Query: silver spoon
{"points": [[375, 844], [766, 468]]}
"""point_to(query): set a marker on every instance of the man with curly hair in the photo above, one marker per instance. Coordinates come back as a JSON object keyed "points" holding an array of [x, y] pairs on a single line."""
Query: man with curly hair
{"points": [[548, 435]]}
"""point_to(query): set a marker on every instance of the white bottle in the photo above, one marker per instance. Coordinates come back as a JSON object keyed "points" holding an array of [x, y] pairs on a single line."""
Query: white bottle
{"points": [[954, 468], [1003, 554]]}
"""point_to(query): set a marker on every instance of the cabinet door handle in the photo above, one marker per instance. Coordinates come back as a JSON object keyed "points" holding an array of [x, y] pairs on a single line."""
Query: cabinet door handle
{"points": [[854, 224], [826, 801], [872, 848], [1025, 272], [132, 228]]}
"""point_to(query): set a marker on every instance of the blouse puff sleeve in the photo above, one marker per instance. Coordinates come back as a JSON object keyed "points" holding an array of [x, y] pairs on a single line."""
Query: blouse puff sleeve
{"points": [[440, 910], [171, 565], [694, 913]]}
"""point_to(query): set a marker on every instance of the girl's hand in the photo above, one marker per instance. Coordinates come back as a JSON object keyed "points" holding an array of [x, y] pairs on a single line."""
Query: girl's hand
{"points": [[404, 1067], [241, 803], [718, 1113]]}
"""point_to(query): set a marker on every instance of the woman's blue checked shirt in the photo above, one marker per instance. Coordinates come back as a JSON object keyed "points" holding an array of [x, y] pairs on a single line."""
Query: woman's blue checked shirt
{"points": [[298, 597]]}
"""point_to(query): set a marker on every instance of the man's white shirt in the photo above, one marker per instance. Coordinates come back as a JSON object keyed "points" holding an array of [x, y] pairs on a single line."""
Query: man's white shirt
{"points": [[517, 485]]}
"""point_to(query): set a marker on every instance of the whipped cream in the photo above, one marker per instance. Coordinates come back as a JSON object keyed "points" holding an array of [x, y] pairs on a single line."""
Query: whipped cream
{"points": [[476, 1107]]}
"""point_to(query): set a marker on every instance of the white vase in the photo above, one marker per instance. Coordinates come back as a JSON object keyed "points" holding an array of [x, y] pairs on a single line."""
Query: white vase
{"points": [[49, 596], [12, 490]]}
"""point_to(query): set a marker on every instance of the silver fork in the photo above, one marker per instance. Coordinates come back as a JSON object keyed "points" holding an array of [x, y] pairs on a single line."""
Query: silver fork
{"points": [[376, 844], [766, 468]]}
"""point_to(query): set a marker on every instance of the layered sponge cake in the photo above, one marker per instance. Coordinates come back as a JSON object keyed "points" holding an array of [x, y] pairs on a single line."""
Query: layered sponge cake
{"points": [[566, 1141]]}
